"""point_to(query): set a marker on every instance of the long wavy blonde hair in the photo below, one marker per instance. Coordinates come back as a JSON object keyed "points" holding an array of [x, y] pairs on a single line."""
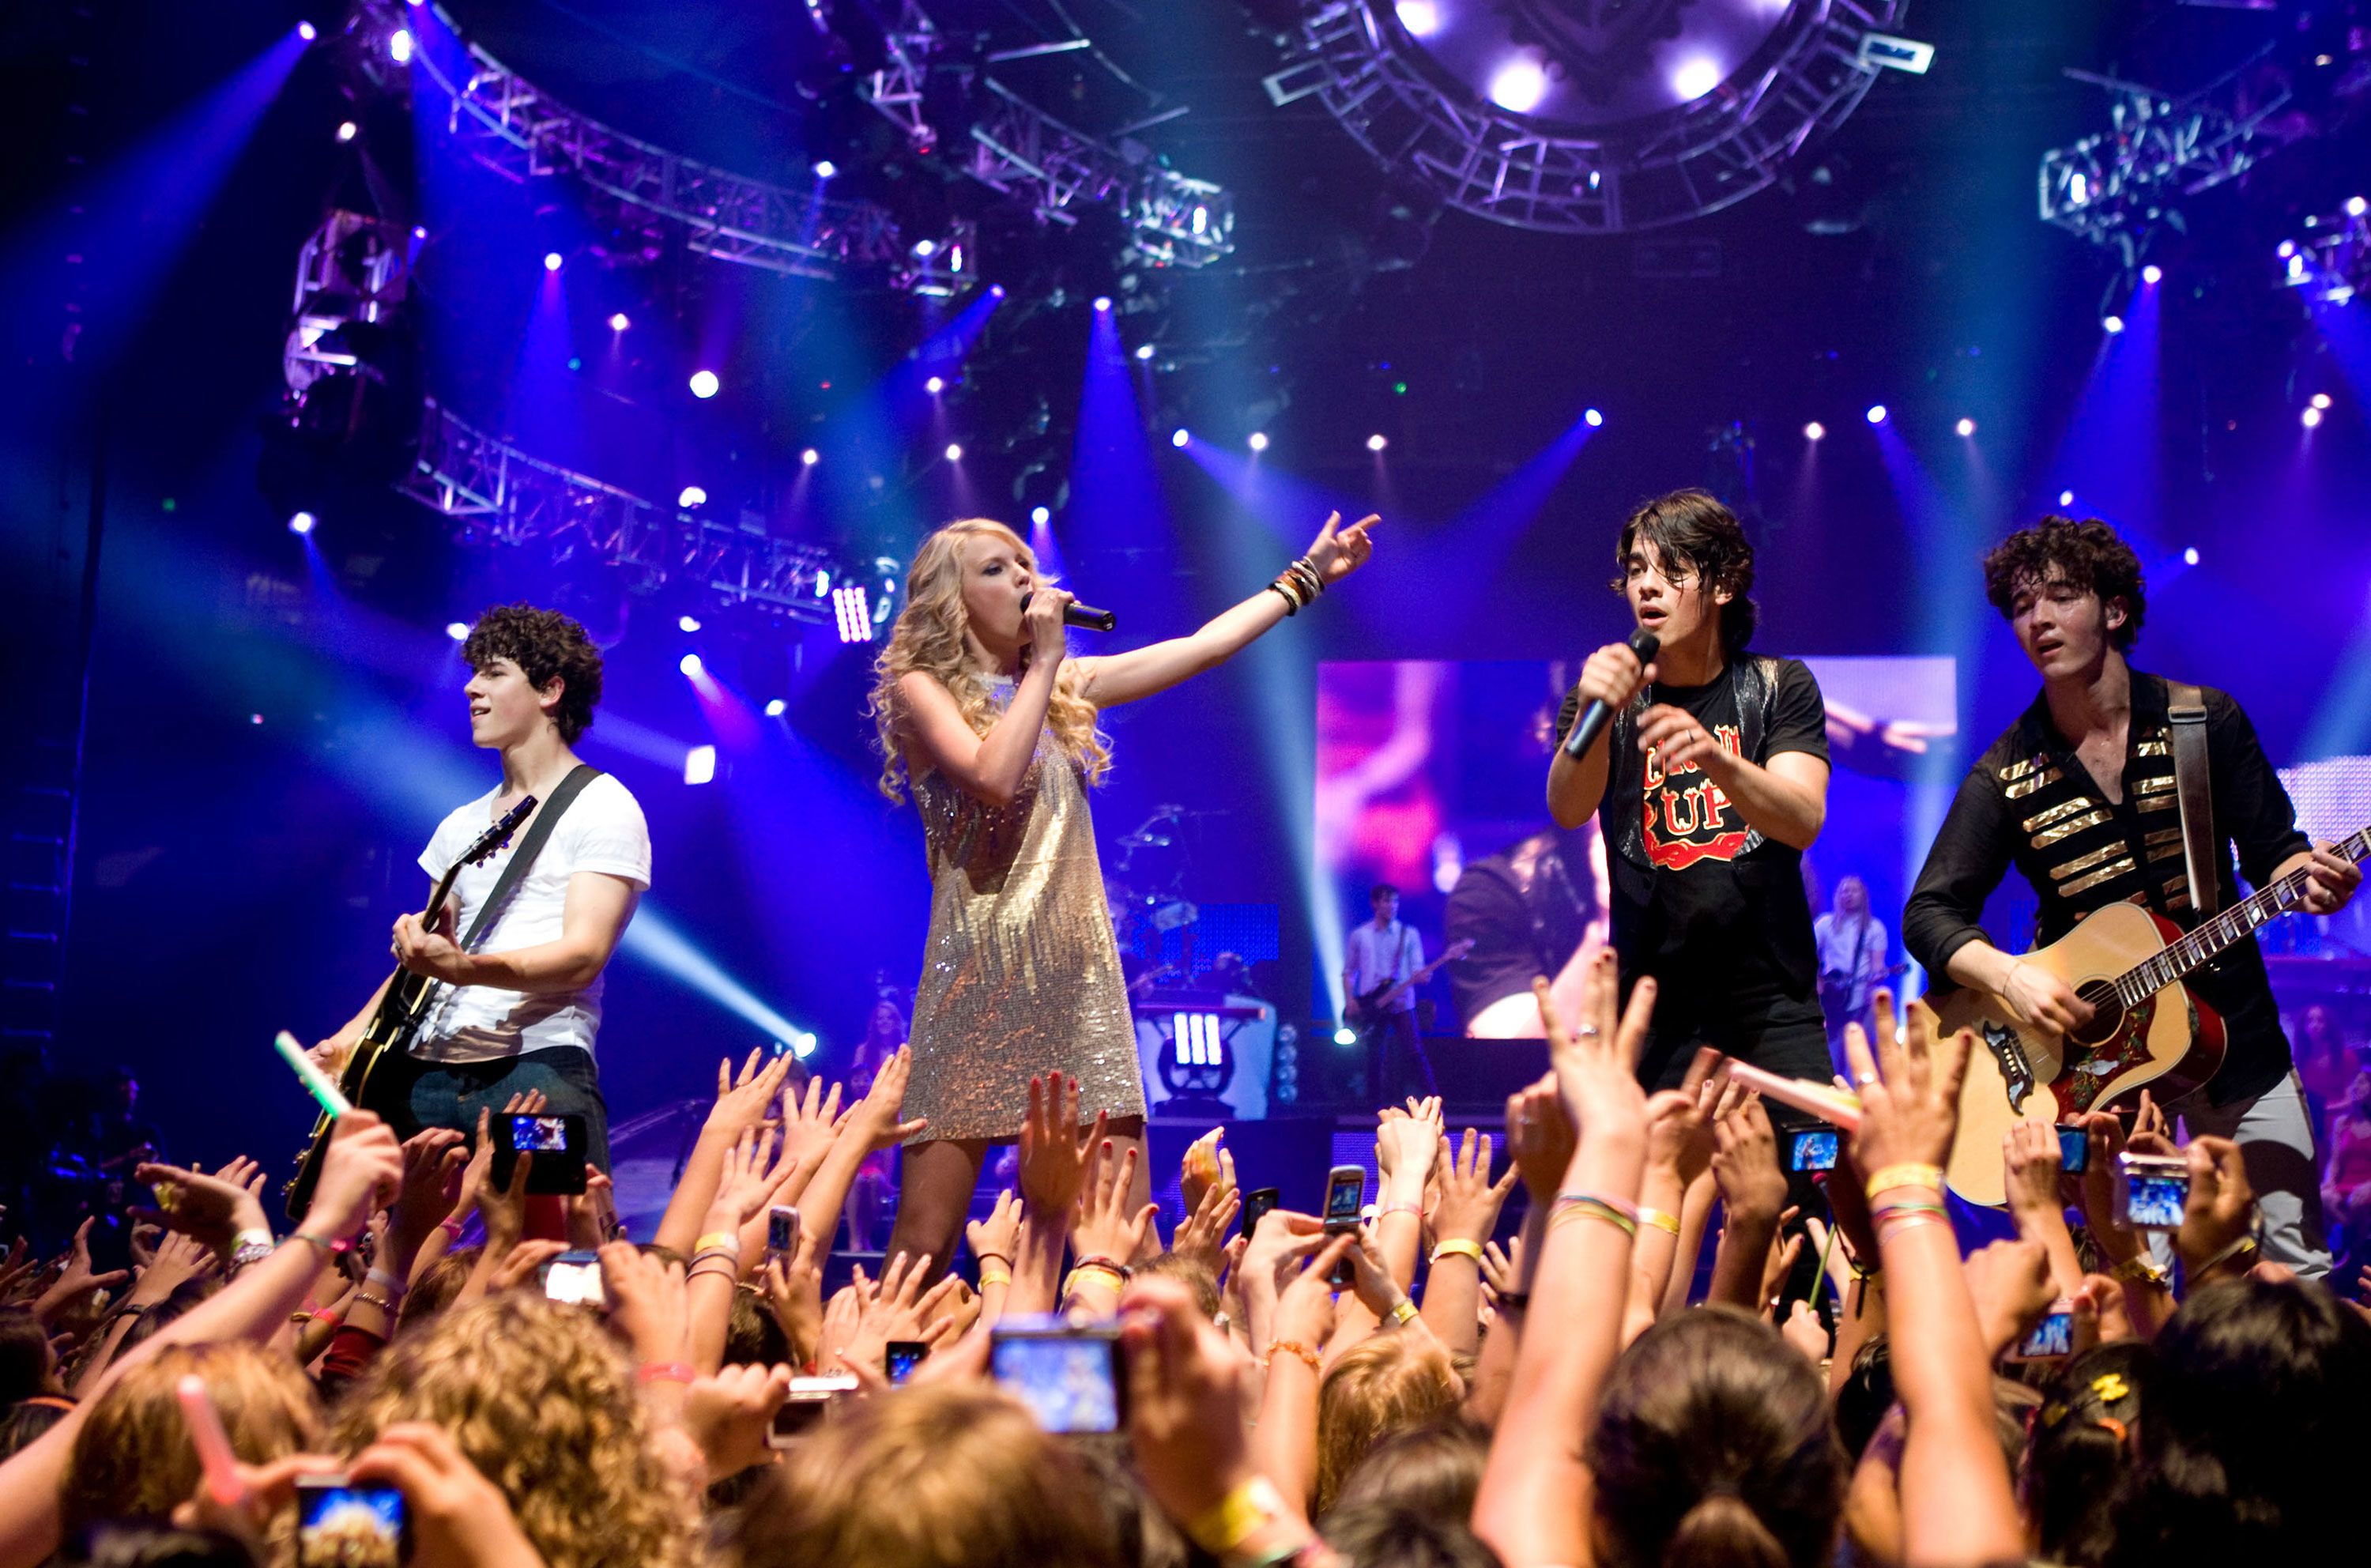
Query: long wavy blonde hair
{"points": [[928, 638]]}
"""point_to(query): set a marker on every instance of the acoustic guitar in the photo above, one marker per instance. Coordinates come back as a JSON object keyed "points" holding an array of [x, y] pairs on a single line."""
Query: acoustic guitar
{"points": [[398, 1017], [2148, 1028]]}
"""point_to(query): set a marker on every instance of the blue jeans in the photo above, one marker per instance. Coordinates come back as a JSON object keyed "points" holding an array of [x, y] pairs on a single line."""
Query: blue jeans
{"points": [[450, 1094]]}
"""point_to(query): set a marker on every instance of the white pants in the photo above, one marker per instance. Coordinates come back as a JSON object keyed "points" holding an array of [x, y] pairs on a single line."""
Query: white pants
{"points": [[2275, 1137]]}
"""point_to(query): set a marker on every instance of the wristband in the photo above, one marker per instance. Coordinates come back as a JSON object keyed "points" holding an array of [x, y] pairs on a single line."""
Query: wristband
{"points": [[1117, 1280], [1403, 1206], [381, 1302], [1236, 1518], [1297, 1350], [379, 1276], [1457, 1247], [1109, 1265], [719, 1240], [1402, 1313], [1517, 1300], [1907, 1174], [994, 1276], [253, 1236], [1628, 1210], [2139, 1269], [2244, 1244], [327, 1248], [664, 1372], [451, 1227], [1661, 1219], [1569, 1207], [984, 1259]]}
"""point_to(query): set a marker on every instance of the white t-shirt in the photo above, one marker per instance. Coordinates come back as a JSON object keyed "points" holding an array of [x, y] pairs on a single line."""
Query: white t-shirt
{"points": [[602, 831]]}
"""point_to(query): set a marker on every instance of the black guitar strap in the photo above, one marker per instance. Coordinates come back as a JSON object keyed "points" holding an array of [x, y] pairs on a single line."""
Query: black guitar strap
{"points": [[2185, 713], [547, 817]]}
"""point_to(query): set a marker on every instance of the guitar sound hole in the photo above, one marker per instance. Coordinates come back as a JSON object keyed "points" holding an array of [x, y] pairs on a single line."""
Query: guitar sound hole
{"points": [[2106, 1014]]}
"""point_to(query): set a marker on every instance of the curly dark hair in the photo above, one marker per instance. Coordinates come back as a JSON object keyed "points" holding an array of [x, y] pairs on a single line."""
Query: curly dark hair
{"points": [[2087, 555], [1693, 532], [545, 645]]}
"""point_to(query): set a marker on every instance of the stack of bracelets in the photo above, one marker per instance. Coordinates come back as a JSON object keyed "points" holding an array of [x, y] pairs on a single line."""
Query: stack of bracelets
{"points": [[1298, 586], [1922, 1186], [1623, 1217]]}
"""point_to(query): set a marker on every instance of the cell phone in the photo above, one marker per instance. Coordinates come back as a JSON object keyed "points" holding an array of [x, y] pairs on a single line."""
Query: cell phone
{"points": [[2151, 1191], [2073, 1150], [1069, 1375], [2052, 1339], [1812, 1149], [575, 1278], [341, 1525], [811, 1400], [898, 1363], [557, 1143], [1346, 1193], [782, 1231], [1257, 1204]]}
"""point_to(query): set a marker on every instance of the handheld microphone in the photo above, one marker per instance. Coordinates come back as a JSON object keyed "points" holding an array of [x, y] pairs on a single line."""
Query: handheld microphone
{"points": [[1078, 614], [1585, 730]]}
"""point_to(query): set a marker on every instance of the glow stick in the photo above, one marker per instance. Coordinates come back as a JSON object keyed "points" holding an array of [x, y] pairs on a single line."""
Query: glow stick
{"points": [[322, 1086], [1824, 1100], [213, 1442]]}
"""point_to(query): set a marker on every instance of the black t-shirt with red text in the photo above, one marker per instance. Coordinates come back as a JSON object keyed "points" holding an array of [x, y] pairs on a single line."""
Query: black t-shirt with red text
{"points": [[1725, 929]]}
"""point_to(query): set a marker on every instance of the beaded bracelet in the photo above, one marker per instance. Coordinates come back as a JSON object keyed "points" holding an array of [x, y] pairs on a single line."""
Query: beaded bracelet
{"points": [[1299, 1351]]}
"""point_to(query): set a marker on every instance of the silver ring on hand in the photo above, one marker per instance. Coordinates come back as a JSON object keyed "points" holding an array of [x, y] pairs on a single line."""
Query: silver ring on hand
{"points": [[1587, 1032], [1863, 1081]]}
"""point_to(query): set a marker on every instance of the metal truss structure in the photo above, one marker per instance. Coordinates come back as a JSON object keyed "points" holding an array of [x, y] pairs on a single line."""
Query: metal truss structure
{"points": [[2113, 187], [2332, 263], [500, 494], [1021, 151], [1638, 174], [514, 128]]}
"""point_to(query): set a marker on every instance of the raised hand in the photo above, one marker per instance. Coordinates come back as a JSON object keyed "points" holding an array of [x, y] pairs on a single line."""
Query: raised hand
{"points": [[1203, 1235], [1804, 1331], [179, 1260], [811, 1124], [744, 1098], [1206, 1164], [1102, 1225], [1910, 1093], [433, 1160], [1054, 1157], [2218, 1213], [2151, 1134], [1186, 1401], [1304, 1309], [1780, 1262], [1280, 1237], [1000, 1233], [1745, 1161], [1337, 551], [209, 1209], [795, 1295], [745, 1185], [727, 1414], [2010, 1283], [1596, 1060], [646, 1303], [1470, 1201], [77, 1280], [874, 1118], [1540, 1138], [361, 1171], [1680, 1126], [1406, 1145]]}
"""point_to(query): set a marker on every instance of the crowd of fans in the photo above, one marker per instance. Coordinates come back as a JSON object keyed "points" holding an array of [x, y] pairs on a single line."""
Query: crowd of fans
{"points": [[1562, 1398]]}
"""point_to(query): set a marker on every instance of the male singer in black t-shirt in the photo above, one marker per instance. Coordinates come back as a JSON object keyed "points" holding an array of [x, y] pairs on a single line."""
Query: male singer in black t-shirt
{"points": [[1709, 784]]}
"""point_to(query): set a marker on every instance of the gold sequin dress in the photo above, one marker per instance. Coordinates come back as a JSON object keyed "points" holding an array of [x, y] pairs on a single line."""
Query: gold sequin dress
{"points": [[1020, 974]]}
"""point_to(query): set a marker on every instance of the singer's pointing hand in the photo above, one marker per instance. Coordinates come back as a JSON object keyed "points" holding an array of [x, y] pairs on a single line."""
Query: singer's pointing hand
{"points": [[1338, 551]]}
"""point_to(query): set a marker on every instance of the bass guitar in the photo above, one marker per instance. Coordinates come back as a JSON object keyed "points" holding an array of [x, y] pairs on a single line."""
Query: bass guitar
{"points": [[1366, 1009], [400, 1012], [2147, 1027]]}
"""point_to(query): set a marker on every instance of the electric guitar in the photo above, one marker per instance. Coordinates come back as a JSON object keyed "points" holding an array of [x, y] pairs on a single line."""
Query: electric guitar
{"points": [[400, 1012], [2146, 1028], [1368, 1004], [1847, 996]]}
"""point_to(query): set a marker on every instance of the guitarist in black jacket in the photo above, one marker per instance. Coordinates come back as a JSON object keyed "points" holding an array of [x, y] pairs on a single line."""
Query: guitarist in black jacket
{"points": [[2080, 795], [519, 1008]]}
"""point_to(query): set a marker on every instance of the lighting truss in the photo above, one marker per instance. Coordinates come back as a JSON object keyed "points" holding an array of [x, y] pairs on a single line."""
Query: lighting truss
{"points": [[1017, 148], [1529, 173], [512, 127], [497, 493], [2114, 185], [2331, 263]]}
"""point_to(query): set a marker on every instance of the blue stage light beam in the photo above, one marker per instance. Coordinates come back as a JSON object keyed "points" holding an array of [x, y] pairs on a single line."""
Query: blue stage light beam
{"points": [[2109, 454], [1117, 508], [653, 942], [2341, 724]]}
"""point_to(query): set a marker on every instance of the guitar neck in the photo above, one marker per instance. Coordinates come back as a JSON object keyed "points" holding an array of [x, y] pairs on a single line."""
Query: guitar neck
{"points": [[2202, 946]]}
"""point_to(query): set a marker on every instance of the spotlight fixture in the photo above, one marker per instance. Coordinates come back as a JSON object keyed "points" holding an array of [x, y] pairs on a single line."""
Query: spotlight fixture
{"points": [[810, 458], [688, 623], [1518, 85], [2066, 498], [2112, 324], [399, 46], [704, 385], [2356, 206], [1877, 413], [2321, 400], [996, 290], [1815, 431], [1145, 351], [307, 32], [2310, 417], [690, 664], [854, 613], [934, 385], [699, 764], [301, 522], [552, 260], [825, 168], [1966, 427], [776, 708], [1376, 442], [2152, 273], [1346, 1036], [925, 249], [1179, 437], [347, 130], [1257, 441], [2190, 556], [690, 496], [1695, 77], [1421, 18], [619, 322], [955, 452], [1592, 418], [1103, 303]]}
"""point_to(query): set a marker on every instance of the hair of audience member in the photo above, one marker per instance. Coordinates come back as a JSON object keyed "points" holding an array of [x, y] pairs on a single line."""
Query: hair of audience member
{"points": [[752, 1337], [27, 1420], [26, 1365], [153, 1322], [154, 1546], [133, 1459], [436, 1289], [1377, 1388], [1434, 1469], [537, 1397], [1865, 1394], [1192, 1272], [1713, 1446], [1143, 1535], [1381, 1533], [940, 1475], [2251, 1444], [2081, 1442]]}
